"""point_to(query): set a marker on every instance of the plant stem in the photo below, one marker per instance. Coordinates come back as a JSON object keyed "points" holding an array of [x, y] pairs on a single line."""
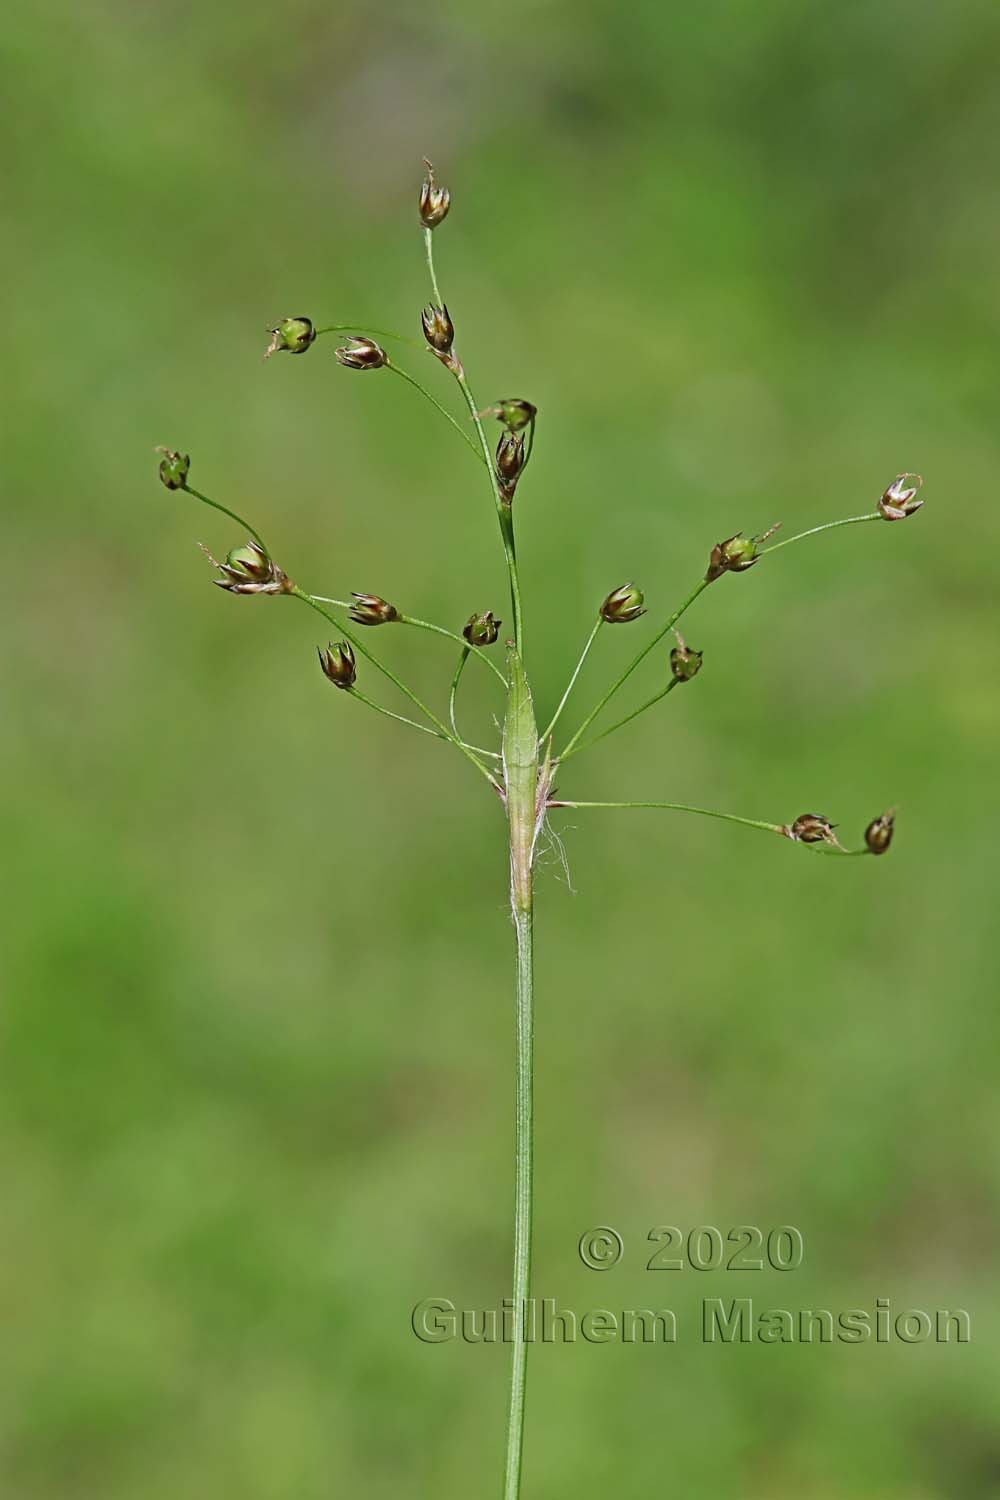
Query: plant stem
{"points": [[454, 636], [197, 495], [503, 508], [622, 722], [827, 526], [454, 687], [387, 672], [706, 812], [523, 1176], [411, 380], [570, 685], [639, 657], [383, 333], [424, 728]]}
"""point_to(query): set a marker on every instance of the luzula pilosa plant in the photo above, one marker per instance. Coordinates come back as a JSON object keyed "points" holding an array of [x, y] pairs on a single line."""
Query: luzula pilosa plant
{"points": [[520, 770]]}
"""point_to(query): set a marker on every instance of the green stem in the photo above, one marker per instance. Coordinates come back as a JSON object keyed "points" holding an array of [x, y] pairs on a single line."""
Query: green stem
{"points": [[387, 672], [523, 1173], [706, 812], [592, 637], [454, 636], [620, 724], [197, 495], [454, 686], [383, 333], [503, 509], [828, 526], [437, 405], [424, 728], [639, 657]]}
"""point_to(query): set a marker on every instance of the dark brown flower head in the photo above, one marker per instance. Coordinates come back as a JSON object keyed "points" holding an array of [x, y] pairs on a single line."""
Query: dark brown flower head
{"points": [[337, 662], [362, 354], [622, 605], [878, 834], [510, 462], [736, 553], [174, 468], [514, 412], [439, 331], [685, 662], [811, 828], [371, 610], [291, 335], [435, 201], [249, 570], [482, 630], [900, 499]]}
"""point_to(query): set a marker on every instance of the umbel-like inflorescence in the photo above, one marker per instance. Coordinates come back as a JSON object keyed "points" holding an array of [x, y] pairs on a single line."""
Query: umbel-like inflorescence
{"points": [[521, 767]]}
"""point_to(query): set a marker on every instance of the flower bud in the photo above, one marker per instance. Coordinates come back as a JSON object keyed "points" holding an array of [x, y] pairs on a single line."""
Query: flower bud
{"points": [[736, 554], [622, 605], [435, 201], [878, 834], [510, 462], [899, 501], [292, 335], [371, 610], [362, 354], [514, 412], [685, 662], [482, 630], [174, 468], [439, 330], [337, 662], [811, 828], [249, 570]]}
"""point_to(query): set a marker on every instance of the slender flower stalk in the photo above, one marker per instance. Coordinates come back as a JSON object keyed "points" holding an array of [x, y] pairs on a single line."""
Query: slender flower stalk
{"points": [[453, 693], [636, 661], [815, 530], [620, 723], [411, 380], [592, 637]]}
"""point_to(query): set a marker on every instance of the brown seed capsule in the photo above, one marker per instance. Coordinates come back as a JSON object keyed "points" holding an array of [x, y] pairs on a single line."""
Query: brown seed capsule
{"points": [[736, 554], [878, 834], [435, 201], [439, 330], [685, 662], [371, 610], [174, 468], [362, 354], [291, 335], [482, 630], [509, 462], [337, 662], [900, 500], [622, 605], [249, 570], [811, 828]]}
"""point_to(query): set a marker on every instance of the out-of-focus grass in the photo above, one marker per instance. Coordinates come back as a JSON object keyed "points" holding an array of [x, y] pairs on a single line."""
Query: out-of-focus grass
{"points": [[257, 1040]]}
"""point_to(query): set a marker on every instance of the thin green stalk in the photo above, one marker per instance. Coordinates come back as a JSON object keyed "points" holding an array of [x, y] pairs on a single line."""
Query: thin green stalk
{"points": [[438, 407], [504, 515], [523, 1182], [592, 637], [706, 812], [424, 728], [620, 724], [636, 660], [827, 526], [355, 328], [454, 636], [387, 672], [454, 687], [197, 495]]}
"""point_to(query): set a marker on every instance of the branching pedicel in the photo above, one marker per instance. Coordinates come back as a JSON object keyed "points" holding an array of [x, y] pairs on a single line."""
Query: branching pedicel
{"points": [[520, 769]]}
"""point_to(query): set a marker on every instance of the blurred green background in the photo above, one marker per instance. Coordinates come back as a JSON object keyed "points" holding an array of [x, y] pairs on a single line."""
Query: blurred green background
{"points": [[257, 1029]]}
